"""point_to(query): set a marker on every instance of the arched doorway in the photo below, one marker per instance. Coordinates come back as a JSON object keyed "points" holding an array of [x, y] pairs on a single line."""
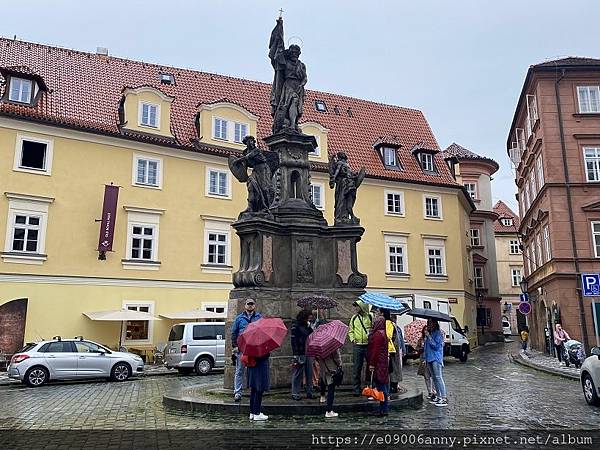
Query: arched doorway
{"points": [[12, 325]]}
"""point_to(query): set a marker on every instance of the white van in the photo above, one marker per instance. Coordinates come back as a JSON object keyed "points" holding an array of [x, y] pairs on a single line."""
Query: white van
{"points": [[456, 342], [198, 346]]}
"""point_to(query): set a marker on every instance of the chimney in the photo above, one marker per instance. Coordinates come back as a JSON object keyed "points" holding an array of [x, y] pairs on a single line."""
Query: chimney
{"points": [[102, 51]]}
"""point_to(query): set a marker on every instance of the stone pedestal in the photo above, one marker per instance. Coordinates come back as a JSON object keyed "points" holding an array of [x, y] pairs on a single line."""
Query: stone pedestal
{"points": [[289, 252]]}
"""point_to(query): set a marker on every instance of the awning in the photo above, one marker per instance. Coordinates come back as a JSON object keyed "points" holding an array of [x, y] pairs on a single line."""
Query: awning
{"points": [[120, 315], [194, 314]]}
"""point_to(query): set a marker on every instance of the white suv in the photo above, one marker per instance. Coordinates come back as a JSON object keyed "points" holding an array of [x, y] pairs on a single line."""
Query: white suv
{"points": [[62, 359], [590, 377]]}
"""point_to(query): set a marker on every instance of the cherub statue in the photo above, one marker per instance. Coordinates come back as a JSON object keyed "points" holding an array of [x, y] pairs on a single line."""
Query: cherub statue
{"points": [[346, 183]]}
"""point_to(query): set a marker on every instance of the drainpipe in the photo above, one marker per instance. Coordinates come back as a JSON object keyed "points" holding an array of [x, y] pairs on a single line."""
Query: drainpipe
{"points": [[582, 321]]}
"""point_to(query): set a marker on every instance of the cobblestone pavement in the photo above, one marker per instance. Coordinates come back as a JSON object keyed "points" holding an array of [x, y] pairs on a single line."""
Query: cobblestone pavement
{"points": [[549, 363], [488, 392]]}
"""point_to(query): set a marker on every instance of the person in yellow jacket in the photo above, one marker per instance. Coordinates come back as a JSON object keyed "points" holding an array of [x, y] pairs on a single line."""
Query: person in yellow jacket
{"points": [[358, 333], [394, 351]]}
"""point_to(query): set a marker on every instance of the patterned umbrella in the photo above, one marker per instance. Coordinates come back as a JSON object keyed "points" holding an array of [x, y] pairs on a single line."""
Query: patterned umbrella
{"points": [[326, 339], [262, 337], [412, 332], [384, 301], [317, 301]]}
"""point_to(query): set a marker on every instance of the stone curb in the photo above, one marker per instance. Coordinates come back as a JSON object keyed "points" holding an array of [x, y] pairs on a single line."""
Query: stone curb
{"points": [[184, 399], [519, 359]]}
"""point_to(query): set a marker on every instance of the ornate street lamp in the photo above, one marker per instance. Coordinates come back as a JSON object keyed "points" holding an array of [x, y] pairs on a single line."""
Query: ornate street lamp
{"points": [[524, 285]]}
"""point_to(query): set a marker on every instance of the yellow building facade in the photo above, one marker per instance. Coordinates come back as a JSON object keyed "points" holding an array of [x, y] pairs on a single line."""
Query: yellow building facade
{"points": [[174, 248]]}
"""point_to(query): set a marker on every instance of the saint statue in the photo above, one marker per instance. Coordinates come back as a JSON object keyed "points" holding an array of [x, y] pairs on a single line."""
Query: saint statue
{"points": [[287, 92], [346, 183], [259, 182]]}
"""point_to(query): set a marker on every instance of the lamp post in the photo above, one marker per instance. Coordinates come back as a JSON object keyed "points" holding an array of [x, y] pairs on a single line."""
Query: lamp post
{"points": [[524, 285], [479, 297]]}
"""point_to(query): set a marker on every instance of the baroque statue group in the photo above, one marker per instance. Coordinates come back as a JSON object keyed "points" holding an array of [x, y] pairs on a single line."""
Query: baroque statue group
{"points": [[258, 167]]}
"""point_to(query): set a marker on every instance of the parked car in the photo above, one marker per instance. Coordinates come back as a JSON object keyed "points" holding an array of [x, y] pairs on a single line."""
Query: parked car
{"points": [[63, 359], [198, 346], [590, 377], [506, 329]]}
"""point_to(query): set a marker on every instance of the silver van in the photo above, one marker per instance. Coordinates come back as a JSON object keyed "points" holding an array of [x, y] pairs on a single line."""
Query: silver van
{"points": [[198, 346]]}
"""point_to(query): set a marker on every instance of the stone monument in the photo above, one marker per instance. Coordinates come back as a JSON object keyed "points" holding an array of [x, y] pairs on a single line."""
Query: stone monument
{"points": [[288, 250]]}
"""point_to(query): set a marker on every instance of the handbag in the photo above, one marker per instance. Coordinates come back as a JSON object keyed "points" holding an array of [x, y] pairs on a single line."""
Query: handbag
{"points": [[338, 376], [422, 368]]}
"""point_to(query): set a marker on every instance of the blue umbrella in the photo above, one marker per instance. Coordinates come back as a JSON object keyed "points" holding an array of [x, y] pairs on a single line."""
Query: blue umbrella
{"points": [[384, 301]]}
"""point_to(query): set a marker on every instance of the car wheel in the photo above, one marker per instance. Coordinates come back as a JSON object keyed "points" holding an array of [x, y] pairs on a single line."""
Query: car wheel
{"points": [[36, 376], [589, 391], [185, 370], [120, 372], [464, 354], [204, 365]]}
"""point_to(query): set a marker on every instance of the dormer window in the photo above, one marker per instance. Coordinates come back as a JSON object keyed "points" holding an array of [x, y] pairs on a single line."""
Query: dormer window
{"points": [[506, 222], [167, 78], [389, 157], [149, 115], [20, 90], [427, 162], [320, 106]]}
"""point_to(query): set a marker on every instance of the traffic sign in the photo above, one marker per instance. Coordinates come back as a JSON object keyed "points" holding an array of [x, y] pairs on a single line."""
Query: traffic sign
{"points": [[590, 283], [525, 308], [524, 297]]}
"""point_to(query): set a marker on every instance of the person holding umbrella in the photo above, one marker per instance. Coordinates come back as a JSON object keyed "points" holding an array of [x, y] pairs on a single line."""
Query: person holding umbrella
{"points": [[434, 356], [302, 364], [240, 323], [377, 356], [329, 367]]}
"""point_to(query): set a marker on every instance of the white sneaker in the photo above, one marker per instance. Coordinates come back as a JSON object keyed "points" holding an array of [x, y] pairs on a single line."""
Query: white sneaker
{"points": [[330, 414], [322, 399], [260, 416], [251, 416]]}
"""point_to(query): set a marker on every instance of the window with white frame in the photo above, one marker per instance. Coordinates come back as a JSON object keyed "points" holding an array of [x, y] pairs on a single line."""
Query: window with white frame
{"points": [[507, 222], [389, 157], [435, 257], [528, 258], [471, 189], [219, 309], [540, 171], [147, 171], [217, 244], [26, 228], [589, 99], [394, 203], [475, 237], [317, 193], [596, 238], [534, 260], [217, 248], [433, 207], [532, 110], [526, 197], [478, 277], [142, 238], [317, 150], [514, 248], [520, 137], [219, 128], [149, 114], [547, 248], [33, 155], [396, 252], [538, 249], [240, 132], [138, 331], [516, 276], [427, 162], [591, 156], [217, 182], [533, 185], [21, 90]]}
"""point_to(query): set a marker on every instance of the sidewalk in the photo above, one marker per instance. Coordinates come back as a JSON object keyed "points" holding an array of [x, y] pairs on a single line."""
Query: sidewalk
{"points": [[149, 371], [543, 362]]}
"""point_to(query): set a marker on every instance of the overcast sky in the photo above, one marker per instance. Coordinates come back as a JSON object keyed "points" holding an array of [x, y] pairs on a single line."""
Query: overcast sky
{"points": [[461, 62]]}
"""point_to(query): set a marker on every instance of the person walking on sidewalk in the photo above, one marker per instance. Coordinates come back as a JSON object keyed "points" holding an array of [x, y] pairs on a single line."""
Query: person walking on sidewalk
{"points": [[328, 367], [560, 337], [239, 325], [524, 338], [378, 357], [358, 333], [302, 364], [434, 356]]}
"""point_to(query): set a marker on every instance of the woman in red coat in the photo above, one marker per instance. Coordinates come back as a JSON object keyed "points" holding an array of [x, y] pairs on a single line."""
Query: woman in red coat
{"points": [[377, 355]]}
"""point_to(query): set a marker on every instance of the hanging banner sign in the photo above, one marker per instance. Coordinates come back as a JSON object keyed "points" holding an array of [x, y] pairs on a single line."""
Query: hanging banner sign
{"points": [[109, 216]]}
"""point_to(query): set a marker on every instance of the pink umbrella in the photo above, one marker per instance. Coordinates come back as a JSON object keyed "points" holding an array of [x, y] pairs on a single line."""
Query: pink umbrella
{"points": [[326, 339], [262, 337], [412, 332]]}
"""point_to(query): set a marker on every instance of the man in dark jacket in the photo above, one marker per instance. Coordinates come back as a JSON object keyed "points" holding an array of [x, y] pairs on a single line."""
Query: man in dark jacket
{"points": [[239, 325], [303, 365]]}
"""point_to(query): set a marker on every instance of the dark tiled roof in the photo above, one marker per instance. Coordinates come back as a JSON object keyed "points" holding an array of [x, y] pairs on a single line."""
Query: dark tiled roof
{"points": [[504, 212], [85, 91], [569, 61], [462, 153]]}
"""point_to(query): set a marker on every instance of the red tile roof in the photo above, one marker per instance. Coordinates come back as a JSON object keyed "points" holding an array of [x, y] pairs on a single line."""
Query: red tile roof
{"points": [[85, 90], [462, 153], [504, 212]]}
